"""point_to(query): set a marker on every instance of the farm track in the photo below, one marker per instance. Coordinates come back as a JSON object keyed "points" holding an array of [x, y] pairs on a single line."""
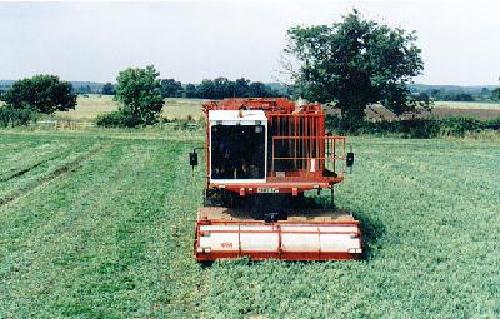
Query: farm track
{"points": [[15, 160], [23, 171], [59, 171]]}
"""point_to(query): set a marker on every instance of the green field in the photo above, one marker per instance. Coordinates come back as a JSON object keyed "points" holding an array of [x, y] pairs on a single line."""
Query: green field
{"points": [[99, 224]]}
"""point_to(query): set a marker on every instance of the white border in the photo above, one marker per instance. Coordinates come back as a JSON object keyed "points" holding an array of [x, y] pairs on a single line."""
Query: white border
{"points": [[236, 181]]}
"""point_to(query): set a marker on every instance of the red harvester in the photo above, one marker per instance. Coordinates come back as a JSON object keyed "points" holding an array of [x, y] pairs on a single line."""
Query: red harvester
{"points": [[261, 156]]}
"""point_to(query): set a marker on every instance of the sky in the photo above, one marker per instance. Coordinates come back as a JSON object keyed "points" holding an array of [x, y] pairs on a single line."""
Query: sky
{"points": [[191, 41]]}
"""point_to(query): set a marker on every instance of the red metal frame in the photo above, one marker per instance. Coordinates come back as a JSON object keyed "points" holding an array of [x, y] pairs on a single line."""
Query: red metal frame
{"points": [[303, 128], [325, 153]]}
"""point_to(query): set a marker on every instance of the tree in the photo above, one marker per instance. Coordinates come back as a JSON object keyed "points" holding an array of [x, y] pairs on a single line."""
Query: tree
{"points": [[257, 89], [436, 94], [206, 89], [354, 63], [108, 89], [171, 88], [42, 93], [495, 94], [485, 93], [221, 88], [241, 87], [463, 97], [139, 92], [191, 91]]}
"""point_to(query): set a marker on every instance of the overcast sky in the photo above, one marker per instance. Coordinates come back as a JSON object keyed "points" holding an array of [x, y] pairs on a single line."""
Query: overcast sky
{"points": [[193, 41]]}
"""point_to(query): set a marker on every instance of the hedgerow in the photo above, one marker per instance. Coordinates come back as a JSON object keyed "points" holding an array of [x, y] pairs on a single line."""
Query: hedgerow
{"points": [[414, 128], [116, 119]]}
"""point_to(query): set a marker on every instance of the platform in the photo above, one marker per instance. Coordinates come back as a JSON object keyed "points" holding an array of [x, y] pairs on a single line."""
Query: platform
{"points": [[307, 234]]}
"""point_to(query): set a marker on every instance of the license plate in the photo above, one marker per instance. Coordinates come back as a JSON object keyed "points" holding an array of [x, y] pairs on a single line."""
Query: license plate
{"points": [[268, 190]]}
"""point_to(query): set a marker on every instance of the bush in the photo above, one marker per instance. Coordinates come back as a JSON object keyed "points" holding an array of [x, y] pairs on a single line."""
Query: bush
{"points": [[13, 117], [118, 119], [459, 126], [112, 119]]}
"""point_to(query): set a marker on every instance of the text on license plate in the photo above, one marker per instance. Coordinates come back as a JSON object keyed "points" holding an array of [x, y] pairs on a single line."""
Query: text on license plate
{"points": [[268, 190]]}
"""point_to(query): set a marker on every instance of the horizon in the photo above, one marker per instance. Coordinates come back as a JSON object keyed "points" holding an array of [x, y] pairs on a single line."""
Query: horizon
{"points": [[263, 82], [94, 41]]}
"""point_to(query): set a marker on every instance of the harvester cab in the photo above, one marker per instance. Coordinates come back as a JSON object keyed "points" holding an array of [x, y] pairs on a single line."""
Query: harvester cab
{"points": [[262, 155]]}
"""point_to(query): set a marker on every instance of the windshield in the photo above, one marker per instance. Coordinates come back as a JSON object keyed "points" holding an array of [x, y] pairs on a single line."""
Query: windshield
{"points": [[237, 152]]}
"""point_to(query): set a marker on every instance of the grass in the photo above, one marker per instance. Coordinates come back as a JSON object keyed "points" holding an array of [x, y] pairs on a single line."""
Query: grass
{"points": [[111, 236]]}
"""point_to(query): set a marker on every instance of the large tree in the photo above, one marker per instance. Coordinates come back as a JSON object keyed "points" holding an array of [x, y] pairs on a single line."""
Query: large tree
{"points": [[42, 93], [354, 63], [139, 92]]}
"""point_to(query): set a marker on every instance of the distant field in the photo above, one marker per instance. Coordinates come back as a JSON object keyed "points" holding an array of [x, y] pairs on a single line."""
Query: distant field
{"points": [[182, 108], [481, 111], [466, 105], [178, 108], [442, 109], [88, 108]]}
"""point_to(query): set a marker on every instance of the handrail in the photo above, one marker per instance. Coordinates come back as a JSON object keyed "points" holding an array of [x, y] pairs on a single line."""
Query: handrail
{"points": [[325, 146]]}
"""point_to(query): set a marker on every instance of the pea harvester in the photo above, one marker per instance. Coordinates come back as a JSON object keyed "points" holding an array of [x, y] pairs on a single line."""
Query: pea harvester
{"points": [[261, 157]]}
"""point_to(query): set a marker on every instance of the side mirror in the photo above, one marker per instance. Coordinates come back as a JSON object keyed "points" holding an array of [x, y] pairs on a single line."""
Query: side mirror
{"points": [[193, 161], [349, 159]]}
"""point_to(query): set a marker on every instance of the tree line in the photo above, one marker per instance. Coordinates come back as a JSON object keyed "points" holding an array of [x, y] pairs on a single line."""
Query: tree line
{"points": [[218, 88], [139, 91], [459, 94]]}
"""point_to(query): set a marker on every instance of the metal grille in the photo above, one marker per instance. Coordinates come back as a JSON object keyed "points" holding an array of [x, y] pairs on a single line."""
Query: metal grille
{"points": [[308, 154]]}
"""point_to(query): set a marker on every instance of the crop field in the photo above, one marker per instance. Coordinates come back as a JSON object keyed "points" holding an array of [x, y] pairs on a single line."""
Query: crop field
{"points": [[99, 224]]}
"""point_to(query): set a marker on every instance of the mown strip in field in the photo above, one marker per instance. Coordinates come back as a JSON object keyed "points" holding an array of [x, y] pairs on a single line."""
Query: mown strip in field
{"points": [[43, 171]]}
